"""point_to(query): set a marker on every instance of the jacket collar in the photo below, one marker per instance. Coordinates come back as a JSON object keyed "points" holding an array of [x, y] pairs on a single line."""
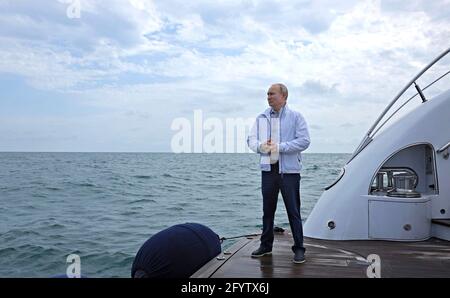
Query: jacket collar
{"points": [[283, 111]]}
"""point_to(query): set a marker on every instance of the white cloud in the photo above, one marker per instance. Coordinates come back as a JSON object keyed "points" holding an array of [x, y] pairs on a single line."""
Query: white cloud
{"points": [[336, 58]]}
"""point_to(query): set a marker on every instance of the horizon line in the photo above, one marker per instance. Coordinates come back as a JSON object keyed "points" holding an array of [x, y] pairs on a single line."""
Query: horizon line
{"points": [[160, 152]]}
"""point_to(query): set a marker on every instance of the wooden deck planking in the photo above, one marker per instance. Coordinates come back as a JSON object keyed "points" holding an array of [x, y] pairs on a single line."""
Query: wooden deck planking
{"points": [[209, 268], [326, 258]]}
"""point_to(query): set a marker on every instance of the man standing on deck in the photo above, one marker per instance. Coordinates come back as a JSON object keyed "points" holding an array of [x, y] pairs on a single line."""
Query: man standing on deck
{"points": [[279, 136]]}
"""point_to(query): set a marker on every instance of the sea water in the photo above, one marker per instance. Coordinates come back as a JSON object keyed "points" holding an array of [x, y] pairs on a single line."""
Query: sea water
{"points": [[104, 206]]}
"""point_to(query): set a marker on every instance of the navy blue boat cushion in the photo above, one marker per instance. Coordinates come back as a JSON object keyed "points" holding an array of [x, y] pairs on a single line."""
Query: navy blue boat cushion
{"points": [[176, 252]]}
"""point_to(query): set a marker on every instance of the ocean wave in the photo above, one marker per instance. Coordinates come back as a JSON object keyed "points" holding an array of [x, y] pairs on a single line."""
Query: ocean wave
{"points": [[143, 176], [128, 213], [53, 188], [226, 211], [239, 184], [149, 195], [31, 251], [185, 178], [56, 226], [13, 189], [142, 201], [175, 208], [82, 184], [175, 186], [16, 233], [239, 204], [38, 195], [113, 178], [5, 252], [313, 167], [335, 172]]}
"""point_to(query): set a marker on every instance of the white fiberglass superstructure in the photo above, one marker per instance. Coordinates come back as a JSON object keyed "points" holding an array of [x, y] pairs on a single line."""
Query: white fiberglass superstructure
{"points": [[396, 185]]}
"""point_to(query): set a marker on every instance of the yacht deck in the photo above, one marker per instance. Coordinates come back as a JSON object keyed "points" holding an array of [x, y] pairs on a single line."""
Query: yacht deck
{"points": [[326, 258]]}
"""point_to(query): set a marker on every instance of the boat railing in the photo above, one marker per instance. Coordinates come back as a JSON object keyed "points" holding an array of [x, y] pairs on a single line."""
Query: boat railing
{"points": [[444, 150], [368, 137]]}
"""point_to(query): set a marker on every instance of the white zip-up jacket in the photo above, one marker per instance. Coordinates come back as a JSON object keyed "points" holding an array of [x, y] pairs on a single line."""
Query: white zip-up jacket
{"points": [[294, 138]]}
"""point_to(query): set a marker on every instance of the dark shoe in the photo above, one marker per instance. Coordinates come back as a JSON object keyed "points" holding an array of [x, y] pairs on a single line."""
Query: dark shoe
{"points": [[299, 257], [261, 252]]}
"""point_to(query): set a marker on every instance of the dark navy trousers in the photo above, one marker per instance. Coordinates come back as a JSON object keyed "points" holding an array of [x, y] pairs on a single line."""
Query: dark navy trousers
{"points": [[289, 184]]}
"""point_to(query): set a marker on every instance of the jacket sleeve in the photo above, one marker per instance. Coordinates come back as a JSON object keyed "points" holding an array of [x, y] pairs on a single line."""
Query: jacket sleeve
{"points": [[252, 139], [301, 141]]}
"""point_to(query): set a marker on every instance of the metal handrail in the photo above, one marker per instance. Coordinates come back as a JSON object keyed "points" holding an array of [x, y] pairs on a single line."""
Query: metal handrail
{"points": [[407, 101], [367, 137], [443, 148]]}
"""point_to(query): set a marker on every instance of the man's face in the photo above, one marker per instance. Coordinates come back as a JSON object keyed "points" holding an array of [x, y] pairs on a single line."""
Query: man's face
{"points": [[275, 97]]}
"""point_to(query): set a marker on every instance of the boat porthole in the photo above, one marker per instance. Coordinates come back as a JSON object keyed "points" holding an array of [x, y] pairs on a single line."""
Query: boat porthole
{"points": [[407, 227], [442, 211], [331, 224]]}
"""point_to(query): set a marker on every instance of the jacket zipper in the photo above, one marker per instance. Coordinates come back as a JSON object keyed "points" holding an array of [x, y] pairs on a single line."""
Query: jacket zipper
{"points": [[269, 119], [279, 153]]}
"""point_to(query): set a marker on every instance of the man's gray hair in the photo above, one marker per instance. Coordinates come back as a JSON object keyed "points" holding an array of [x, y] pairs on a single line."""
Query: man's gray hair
{"points": [[283, 90]]}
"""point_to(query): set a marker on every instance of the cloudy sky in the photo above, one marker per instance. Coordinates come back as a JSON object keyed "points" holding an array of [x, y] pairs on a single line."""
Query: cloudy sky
{"points": [[97, 75]]}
